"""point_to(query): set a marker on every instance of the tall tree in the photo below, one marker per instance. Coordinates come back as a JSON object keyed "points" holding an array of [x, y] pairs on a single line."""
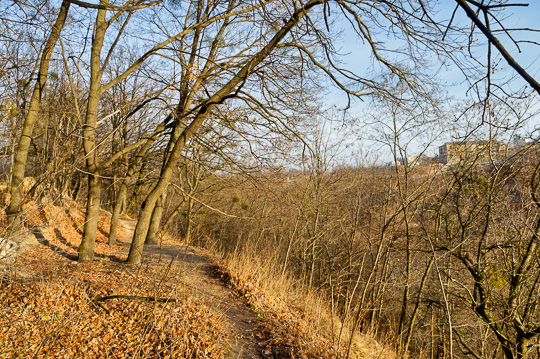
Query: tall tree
{"points": [[98, 65], [19, 165]]}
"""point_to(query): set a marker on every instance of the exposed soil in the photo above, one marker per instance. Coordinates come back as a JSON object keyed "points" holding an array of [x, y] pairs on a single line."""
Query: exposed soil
{"points": [[244, 337]]}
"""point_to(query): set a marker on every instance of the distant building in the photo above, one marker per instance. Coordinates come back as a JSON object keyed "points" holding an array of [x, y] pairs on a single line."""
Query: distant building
{"points": [[518, 141], [410, 161], [415, 161], [454, 152]]}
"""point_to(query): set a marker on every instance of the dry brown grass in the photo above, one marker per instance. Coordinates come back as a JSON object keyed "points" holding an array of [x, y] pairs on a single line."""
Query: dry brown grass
{"points": [[299, 323]]}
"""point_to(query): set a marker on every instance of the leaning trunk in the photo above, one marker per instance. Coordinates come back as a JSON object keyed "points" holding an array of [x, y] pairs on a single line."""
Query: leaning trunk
{"points": [[171, 216], [189, 221], [157, 212], [135, 252], [147, 209], [19, 164], [122, 194], [117, 209]]}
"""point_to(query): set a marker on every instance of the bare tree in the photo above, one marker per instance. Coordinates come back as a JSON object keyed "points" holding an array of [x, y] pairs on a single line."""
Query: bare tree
{"points": [[20, 160]]}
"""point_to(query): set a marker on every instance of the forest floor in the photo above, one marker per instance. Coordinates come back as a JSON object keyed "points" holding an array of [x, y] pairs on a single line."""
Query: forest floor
{"points": [[244, 337], [181, 302]]}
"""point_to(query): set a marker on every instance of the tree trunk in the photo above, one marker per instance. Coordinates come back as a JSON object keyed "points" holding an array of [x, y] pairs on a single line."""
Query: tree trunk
{"points": [[86, 249], [132, 203], [151, 236], [157, 211], [417, 306], [405, 300], [19, 164], [189, 221], [147, 209], [314, 248], [172, 215], [120, 202], [122, 195], [289, 245]]}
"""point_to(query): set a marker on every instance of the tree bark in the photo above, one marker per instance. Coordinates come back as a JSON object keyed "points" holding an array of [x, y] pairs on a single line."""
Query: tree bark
{"points": [[155, 221], [157, 212], [86, 249], [122, 193], [189, 221], [19, 164]]}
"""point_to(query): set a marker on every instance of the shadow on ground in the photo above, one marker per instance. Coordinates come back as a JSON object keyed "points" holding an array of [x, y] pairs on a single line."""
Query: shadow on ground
{"points": [[202, 277]]}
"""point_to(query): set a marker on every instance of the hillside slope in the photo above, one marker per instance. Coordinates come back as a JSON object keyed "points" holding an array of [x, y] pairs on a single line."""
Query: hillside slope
{"points": [[181, 303]]}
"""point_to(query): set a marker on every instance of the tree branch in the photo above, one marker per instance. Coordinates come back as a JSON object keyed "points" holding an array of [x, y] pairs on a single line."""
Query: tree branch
{"points": [[113, 7], [135, 297], [509, 59]]}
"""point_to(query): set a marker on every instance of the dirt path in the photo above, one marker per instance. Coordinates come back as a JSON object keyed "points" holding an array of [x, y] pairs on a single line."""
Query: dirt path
{"points": [[205, 282]]}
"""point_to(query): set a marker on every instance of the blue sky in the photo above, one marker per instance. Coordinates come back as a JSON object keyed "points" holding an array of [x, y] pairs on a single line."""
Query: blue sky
{"points": [[454, 82]]}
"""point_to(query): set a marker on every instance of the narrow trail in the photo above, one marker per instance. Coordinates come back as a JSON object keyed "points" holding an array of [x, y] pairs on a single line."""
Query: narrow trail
{"points": [[203, 279]]}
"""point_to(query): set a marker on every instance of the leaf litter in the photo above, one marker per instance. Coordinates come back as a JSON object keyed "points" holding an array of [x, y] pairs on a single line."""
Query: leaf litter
{"points": [[48, 306], [53, 307]]}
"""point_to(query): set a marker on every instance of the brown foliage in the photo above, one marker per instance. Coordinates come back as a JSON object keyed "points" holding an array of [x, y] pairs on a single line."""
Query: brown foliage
{"points": [[47, 306], [286, 331]]}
